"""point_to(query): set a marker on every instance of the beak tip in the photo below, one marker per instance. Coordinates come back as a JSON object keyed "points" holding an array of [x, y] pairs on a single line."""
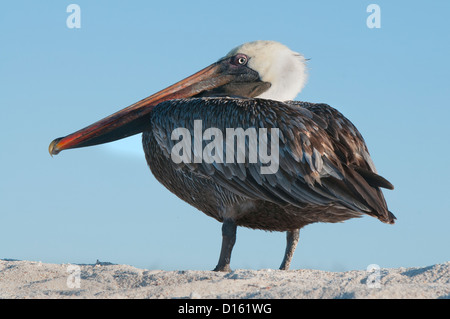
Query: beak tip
{"points": [[53, 148]]}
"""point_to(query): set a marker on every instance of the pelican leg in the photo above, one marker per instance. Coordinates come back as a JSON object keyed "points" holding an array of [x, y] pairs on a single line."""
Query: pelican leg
{"points": [[228, 240], [291, 243]]}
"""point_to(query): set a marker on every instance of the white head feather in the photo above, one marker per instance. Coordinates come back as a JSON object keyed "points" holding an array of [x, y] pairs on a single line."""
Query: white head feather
{"points": [[283, 68]]}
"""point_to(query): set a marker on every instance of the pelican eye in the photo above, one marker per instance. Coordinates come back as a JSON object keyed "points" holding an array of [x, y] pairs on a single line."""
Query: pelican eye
{"points": [[241, 59]]}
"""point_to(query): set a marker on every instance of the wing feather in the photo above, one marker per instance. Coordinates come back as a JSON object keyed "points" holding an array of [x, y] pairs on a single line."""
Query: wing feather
{"points": [[322, 160]]}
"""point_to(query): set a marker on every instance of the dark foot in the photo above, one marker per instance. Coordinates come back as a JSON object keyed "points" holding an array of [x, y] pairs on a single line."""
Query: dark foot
{"points": [[225, 268], [228, 240], [291, 243]]}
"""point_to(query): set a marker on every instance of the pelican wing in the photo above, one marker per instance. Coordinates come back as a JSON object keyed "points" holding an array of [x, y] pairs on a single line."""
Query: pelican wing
{"points": [[322, 158], [348, 142]]}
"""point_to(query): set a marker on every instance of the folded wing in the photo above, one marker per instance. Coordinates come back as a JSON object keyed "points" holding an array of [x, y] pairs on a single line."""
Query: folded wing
{"points": [[322, 160]]}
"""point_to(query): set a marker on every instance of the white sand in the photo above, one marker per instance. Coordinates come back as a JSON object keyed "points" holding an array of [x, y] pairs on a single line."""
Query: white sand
{"points": [[25, 279]]}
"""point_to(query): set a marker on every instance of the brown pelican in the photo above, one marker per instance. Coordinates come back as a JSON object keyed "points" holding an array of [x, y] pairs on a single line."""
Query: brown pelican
{"points": [[323, 172]]}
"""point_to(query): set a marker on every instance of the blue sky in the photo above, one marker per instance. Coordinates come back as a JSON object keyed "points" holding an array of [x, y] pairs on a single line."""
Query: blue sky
{"points": [[103, 202]]}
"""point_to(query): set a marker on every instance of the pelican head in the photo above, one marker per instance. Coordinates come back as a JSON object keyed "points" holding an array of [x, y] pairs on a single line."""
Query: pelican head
{"points": [[276, 64], [261, 69]]}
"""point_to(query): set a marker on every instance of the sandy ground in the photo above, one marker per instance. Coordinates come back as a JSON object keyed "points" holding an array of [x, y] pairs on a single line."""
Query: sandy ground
{"points": [[26, 279]]}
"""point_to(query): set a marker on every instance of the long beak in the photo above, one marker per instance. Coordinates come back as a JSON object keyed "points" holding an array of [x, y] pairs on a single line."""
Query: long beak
{"points": [[133, 119]]}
